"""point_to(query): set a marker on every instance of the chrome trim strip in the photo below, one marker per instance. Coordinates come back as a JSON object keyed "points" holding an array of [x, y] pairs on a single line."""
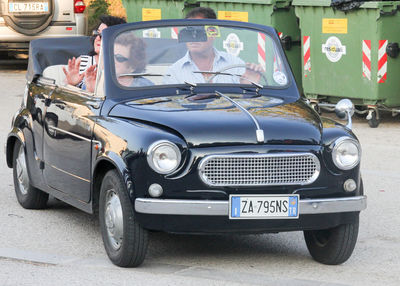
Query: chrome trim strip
{"points": [[311, 180], [75, 176], [75, 135], [69, 133], [221, 208], [318, 206], [181, 207], [259, 131], [207, 191]]}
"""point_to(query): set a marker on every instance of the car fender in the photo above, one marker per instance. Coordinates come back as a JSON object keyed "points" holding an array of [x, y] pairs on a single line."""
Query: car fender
{"points": [[107, 159], [14, 135]]}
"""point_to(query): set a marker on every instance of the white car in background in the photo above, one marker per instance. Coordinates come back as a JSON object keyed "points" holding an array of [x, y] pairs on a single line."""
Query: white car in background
{"points": [[25, 20]]}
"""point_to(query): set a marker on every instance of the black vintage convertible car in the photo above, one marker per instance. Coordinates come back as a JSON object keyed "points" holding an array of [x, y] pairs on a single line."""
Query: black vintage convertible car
{"points": [[193, 126]]}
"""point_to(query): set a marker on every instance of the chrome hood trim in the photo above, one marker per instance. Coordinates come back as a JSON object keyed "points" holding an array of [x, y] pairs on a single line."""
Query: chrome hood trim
{"points": [[259, 131]]}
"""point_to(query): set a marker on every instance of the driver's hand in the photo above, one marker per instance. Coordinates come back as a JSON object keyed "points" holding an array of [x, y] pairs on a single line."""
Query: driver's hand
{"points": [[253, 72]]}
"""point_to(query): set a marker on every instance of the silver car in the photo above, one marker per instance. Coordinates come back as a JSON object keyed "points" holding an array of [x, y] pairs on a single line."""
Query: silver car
{"points": [[25, 20]]}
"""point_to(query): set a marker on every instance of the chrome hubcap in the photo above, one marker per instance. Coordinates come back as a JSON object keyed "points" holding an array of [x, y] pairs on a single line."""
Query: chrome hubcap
{"points": [[114, 219], [22, 173]]}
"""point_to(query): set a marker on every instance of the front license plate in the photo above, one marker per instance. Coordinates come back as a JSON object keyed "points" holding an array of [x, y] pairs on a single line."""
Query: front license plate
{"points": [[263, 207], [28, 7]]}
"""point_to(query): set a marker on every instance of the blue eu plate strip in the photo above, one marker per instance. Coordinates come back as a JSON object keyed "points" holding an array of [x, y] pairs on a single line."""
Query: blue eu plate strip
{"points": [[293, 206], [235, 209]]}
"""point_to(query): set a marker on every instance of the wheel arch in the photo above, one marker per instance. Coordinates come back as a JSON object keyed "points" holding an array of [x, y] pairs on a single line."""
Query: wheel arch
{"points": [[11, 140], [102, 166]]}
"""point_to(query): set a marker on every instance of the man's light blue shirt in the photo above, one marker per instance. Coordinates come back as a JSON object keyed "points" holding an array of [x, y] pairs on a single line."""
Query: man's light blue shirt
{"points": [[183, 69]]}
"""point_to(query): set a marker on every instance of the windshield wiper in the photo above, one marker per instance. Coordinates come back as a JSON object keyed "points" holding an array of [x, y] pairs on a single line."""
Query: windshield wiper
{"points": [[257, 85], [135, 75], [200, 96], [191, 88]]}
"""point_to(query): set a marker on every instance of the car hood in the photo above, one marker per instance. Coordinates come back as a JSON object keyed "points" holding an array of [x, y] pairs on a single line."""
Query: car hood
{"points": [[207, 119]]}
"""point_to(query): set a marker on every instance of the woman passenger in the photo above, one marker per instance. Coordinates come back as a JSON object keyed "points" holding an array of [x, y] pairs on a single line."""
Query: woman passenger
{"points": [[75, 74]]}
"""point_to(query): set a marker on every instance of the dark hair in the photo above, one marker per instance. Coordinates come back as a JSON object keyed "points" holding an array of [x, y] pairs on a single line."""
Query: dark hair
{"points": [[205, 12], [109, 21], [137, 50]]}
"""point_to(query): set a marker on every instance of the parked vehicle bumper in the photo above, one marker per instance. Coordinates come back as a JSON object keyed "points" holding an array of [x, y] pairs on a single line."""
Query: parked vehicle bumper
{"points": [[211, 217]]}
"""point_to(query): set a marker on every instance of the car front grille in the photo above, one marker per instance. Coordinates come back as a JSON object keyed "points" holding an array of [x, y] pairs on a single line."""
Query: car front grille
{"points": [[259, 170]]}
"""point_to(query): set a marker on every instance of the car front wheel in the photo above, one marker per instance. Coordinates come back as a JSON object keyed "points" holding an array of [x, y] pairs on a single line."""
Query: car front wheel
{"points": [[27, 196], [332, 246], [124, 239]]}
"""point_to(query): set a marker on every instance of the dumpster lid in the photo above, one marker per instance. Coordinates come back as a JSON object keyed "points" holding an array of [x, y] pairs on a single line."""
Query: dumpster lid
{"points": [[268, 2], [383, 5]]}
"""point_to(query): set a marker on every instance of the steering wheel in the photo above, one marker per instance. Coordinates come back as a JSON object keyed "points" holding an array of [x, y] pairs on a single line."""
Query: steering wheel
{"points": [[235, 66]]}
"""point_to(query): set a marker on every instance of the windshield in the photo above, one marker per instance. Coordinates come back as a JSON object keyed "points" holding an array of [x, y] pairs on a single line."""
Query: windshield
{"points": [[197, 55]]}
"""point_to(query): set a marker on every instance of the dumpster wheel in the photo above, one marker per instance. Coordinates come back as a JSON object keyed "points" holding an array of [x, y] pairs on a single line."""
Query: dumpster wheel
{"points": [[373, 117]]}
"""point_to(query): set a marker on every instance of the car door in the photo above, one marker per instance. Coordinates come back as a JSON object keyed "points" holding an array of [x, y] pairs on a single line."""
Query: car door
{"points": [[67, 142], [36, 98]]}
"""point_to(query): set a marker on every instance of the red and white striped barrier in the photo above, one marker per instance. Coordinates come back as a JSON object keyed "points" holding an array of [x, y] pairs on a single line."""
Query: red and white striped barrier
{"points": [[174, 33], [366, 58], [306, 53], [261, 50], [382, 61]]}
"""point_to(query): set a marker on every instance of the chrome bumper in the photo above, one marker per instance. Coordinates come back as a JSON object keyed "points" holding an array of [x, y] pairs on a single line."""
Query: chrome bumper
{"points": [[221, 208]]}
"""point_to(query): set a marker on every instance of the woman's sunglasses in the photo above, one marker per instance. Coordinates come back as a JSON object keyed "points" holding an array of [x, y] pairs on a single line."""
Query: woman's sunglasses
{"points": [[96, 33], [119, 58]]}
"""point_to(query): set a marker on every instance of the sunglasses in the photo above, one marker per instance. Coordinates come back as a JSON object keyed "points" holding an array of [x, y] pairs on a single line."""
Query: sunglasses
{"points": [[96, 33], [119, 58]]}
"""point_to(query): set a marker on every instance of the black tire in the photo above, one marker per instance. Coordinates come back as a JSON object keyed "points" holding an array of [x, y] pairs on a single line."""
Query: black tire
{"points": [[126, 243], [28, 196], [374, 121], [332, 246]]}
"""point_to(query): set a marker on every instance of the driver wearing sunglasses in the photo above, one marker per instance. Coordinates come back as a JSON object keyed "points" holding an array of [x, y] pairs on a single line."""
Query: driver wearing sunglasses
{"points": [[80, 69]]}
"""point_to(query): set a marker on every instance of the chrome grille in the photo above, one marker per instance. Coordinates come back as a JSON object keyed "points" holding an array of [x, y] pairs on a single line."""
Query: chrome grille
{"points": [[259, 170]]}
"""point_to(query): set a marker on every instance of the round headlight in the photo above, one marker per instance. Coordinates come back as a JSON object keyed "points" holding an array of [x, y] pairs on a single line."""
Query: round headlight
{"points": [[346, 153], [163, 157]]}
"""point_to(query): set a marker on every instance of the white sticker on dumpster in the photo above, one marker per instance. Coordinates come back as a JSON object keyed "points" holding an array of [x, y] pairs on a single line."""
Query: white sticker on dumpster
{"points": [[151, 33], [233, 45], [333, 49], [280, 78]]}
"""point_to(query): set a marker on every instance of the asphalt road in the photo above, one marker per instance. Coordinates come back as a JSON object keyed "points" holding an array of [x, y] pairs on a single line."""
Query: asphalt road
{"points": [[62, 245]]}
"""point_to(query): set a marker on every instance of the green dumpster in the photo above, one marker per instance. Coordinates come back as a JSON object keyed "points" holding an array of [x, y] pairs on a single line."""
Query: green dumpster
{"points": [[351, 52], [276, 13]]}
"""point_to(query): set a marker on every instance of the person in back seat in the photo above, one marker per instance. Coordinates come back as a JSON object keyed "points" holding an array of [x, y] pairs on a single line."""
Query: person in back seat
{"points": [[77, 68]]}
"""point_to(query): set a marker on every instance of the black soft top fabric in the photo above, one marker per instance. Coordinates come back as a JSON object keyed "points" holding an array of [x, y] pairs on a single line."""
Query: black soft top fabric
{"points": [[55, 51]]}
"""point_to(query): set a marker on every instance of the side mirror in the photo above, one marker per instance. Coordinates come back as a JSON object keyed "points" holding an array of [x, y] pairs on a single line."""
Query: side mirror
{"points": [[344, 109]]}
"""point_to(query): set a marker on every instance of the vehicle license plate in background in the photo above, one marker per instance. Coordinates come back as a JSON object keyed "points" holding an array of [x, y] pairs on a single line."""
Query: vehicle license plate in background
{"points": [[28, 7], [263, 207]]}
